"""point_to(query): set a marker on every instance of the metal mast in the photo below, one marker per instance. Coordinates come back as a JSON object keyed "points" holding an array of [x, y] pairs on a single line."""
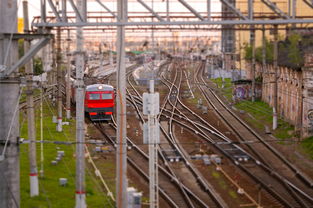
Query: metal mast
{"points": [[9, 112], [68, 78], [152, 138], [33, 175], [59, 80], [80, 120], [252, 43], [275, 77], [121, 151]]}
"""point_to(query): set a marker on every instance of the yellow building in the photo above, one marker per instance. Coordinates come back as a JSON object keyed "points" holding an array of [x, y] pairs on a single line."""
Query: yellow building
{"points": [[20, 25]]}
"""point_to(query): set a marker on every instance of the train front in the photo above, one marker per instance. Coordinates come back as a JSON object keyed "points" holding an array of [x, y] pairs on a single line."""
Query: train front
{"points": [[99, 102]]}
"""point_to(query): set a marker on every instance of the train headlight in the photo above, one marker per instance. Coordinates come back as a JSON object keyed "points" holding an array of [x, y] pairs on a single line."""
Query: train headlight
{"points": [[100, 87]]}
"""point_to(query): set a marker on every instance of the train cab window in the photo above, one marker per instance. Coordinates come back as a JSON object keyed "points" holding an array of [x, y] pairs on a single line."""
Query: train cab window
{"points": [[106, 96], [94, 96]]}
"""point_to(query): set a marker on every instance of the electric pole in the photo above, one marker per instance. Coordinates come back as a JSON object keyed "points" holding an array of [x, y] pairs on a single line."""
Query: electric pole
{"points": [[9, 111], [252, 43], [33, 175], [275, 55], [121, 150], [68, 78], [59, 80], [263, 50], [80, 119], [151, 108]]}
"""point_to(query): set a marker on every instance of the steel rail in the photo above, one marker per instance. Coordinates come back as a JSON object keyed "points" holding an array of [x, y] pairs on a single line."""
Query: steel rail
{"points": [[283, 180]]}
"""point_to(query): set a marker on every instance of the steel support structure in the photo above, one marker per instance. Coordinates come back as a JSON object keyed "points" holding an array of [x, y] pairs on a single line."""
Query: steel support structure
{"points": [[106, 8], [310, 4], [151, 10], [232, 7], [33, 175], [9, 111], [121, 149], [177, 23], [275, 9], [192, 10], [80, 118]]}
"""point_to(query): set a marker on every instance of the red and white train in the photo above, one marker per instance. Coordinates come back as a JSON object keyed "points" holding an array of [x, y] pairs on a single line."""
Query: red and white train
{"points": [[99, 101]]}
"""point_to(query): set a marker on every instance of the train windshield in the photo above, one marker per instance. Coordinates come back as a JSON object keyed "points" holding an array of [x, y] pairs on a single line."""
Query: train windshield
{"points": [[106, 96], [94, 96]]}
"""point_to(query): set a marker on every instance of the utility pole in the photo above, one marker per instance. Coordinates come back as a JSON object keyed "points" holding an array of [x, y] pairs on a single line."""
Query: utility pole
{"points": [[263, 50], [53, 71], [33, 175], [80, 119], [209, 9], [121, 150], [151, 108], [59, 80], [68, 78], [9, 111], [275, 56], [252, 43]]}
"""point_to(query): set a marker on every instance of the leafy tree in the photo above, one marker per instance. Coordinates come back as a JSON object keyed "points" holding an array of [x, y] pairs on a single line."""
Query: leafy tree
{"points": [[290, 51], [38, 66], [258, 52]]}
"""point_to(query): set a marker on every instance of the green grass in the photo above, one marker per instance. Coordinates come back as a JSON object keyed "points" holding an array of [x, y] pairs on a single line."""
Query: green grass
{"points": [[227, 90], [307, 145], [261, 112], [262, 115], [51, 194]]}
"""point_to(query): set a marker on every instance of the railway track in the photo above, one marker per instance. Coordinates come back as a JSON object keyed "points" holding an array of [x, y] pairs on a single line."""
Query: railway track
{"points": [[290, 179], [278, 187], [169, 143], [172, 190], [289, 199]]}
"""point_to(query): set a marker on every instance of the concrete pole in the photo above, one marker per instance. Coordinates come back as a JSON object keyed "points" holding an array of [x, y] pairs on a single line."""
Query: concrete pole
{"points": [[53, 72], [111, 54], [59, 80], [33, 175], [168, 10], [252, 43], [9, 113], [80, 119], [275, 55], [121, 150], [64, 10], [43, 10], [263, 50], [294, 8], [209, 9], [153, 157], [41, 134], [68, 78]]}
